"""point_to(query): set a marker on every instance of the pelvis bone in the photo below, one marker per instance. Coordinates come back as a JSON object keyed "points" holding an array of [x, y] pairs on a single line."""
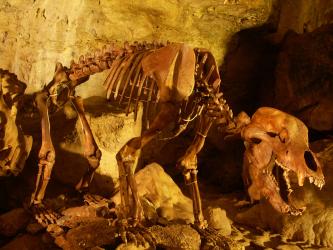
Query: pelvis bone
{"points": [[14, 146], [277, 156]]}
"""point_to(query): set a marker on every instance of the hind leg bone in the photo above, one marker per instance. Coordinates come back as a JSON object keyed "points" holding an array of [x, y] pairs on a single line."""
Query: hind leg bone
{"points": [[91, 150]]}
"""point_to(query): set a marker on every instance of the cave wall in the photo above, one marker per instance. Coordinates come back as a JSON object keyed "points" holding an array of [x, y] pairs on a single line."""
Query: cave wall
{"points": [[34, 34], [249, 67], [303, 16]]}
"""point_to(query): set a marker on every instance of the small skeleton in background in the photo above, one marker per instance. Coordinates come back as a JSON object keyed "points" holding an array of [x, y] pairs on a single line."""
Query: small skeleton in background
{"points": [[14, 146]]}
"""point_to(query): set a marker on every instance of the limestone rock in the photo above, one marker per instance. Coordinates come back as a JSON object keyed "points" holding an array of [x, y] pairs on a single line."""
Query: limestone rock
{"points": [[103, 232], [315, 225], [304, 84], [303, 16], [26, 242], [111, 131], [160, 190], [130, 246], [73, 28], [75, 221], [176, 237], [13, 221], [87, 236], [217, 219], [288, 247]]}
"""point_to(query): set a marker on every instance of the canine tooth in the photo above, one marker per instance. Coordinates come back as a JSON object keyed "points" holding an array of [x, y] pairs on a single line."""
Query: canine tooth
{"points": [[316, 182], [300, 180], [311, 179]]}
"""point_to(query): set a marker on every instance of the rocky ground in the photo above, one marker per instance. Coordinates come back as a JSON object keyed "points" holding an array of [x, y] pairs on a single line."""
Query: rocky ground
{"points": [[88, 222]]}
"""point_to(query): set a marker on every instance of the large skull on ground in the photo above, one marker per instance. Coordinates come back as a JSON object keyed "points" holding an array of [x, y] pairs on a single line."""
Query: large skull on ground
{"points": [[14, 146], [277, 144]]}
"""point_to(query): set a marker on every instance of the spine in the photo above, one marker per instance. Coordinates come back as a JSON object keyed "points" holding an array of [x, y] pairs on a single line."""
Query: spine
{"points": [[102, 59]]}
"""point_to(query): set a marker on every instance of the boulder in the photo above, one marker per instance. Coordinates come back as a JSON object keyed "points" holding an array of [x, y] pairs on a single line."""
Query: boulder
{"points": [[162, 193], [217, 219], [176, 237]]}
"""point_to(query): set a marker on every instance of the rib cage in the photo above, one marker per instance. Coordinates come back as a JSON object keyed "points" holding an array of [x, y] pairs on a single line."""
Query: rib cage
{"points": [[126, 84]]}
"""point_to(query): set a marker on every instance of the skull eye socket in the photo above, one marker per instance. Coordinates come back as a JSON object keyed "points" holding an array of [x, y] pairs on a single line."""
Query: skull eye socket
{"points": [[255, 140], [310, 161]]}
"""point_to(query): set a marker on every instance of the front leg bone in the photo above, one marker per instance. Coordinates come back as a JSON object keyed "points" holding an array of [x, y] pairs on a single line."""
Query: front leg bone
{"points": [[46, 154], [91, 150], [188, 163]]}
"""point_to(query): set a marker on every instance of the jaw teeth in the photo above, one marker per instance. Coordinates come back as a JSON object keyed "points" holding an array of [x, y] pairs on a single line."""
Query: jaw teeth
{"points": [[317, 182]]}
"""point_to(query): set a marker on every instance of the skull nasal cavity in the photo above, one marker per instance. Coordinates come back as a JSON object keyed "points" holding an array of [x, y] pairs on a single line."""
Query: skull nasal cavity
{"points": [[310, 161]]}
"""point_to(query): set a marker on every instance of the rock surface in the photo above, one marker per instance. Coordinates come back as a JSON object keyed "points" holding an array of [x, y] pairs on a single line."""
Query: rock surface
{"points": [[34, 35], [13, 221], [162, 193], [315, 225], [26, 242], [217, 219], [304, 78], [303, 16]]}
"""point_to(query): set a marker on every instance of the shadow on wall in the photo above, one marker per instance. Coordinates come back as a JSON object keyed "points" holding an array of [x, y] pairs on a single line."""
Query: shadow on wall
{"points": [[273, 66], [247, 72]]}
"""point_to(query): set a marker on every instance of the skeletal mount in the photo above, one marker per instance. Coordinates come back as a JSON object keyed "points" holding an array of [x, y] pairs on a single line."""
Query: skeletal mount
{"points": [[180, 83], [177, 84]]}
